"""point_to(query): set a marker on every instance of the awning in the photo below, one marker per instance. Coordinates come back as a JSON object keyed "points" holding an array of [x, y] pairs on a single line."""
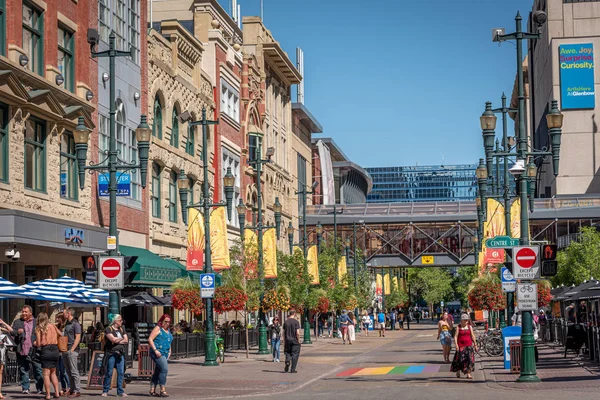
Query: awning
{"points": [[152, 270]]}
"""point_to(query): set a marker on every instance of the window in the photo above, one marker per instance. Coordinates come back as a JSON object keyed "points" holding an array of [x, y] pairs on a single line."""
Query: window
{"points": [[253, 144], [65, 58], [33, 36], [157, 124], [232, 160], [173, 197], [3, 27], [122, 16], [155, 195], [68, 167], [230, 101], [3, 142], [175, 129], [35, 155], [190, 146]]}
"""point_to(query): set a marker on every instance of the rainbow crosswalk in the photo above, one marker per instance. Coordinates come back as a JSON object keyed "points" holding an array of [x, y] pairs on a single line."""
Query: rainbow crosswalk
{"points": [[393, 370]]}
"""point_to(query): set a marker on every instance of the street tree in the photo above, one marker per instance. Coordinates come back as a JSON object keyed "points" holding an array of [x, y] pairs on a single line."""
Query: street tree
{"points": [[580, 261]]}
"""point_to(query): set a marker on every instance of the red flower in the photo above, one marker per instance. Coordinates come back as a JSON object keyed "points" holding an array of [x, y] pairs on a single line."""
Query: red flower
{"points": [[229, 299], [187, 299], [487, 295]]}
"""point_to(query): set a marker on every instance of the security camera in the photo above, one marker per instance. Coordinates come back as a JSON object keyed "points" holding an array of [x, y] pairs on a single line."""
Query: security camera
{"points": [[540, 17], [9, 253], [93, 37], [16, 256]]}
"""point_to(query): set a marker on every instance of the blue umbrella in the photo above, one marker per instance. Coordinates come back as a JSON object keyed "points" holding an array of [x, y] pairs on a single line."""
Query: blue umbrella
{"points": [[78, 286], [51, 290], [9, 290]]}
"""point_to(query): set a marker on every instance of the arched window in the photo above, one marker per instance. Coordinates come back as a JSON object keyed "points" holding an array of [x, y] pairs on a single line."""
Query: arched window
{"points": [[175, 129], [155, 195], [157, 125], [173, 197]]}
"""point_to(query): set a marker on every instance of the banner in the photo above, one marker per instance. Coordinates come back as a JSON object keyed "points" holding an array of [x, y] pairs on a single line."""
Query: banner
{"points": [[576, 66], [312, 257], [387, 284], [219, 245], [270, 253], [195, 241], [342, 269], [378, 284], [395, 282], [493, 226]]}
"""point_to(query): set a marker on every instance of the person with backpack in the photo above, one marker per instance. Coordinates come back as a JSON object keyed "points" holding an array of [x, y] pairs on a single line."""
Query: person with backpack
{"points": [[115, 340]]}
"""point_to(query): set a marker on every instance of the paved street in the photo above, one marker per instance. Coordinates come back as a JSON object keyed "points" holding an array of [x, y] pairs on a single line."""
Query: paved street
{"points": [[404, 363]]}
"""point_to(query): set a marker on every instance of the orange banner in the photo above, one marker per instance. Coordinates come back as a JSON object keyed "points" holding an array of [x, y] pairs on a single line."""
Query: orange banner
{"points": [[219, 244], [378, 284], [387, 284], [270, 253], [312, 258], [493, 226], [195, 242]]}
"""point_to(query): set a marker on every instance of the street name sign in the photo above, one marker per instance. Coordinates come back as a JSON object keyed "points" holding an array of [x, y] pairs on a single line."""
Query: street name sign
{"points": [[509, 284], [526, 263], [110, 273], [501, 242], [207, 286], [527, 299]]}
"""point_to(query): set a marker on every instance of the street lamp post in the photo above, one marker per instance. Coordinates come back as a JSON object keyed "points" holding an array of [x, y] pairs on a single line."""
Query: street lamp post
{"points": [[111, 162], [206, 204], [304, 192], [257, 163], [554, 119]]}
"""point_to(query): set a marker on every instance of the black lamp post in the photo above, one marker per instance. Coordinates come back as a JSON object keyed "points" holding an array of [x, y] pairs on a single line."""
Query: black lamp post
{"points": [[319, 230], [241, 210], [111, 163], [482, 176], [205, 205]]}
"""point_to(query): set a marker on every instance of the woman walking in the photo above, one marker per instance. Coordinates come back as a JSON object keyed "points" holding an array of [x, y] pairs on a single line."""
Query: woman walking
{"points": [[61, 373], [160, 344], [46, 337], [351, 328], [275, 334], [114, 353], [464, 339], [444, 336], [366, 321]]}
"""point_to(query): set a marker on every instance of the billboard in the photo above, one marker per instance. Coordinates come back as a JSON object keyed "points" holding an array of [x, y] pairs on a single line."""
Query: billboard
{"points": [[576, 65]]}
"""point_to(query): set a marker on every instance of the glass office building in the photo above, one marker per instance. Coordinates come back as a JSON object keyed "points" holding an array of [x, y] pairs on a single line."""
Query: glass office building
{"points": [[423, 183]]}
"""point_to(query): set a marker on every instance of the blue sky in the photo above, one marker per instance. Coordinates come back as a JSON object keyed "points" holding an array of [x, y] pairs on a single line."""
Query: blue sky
{"points": [[399, 82]]}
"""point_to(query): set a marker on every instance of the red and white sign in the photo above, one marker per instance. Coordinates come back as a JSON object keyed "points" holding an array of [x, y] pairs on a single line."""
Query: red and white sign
{"points": [[110, 273], [494, 256], [526, 263]]}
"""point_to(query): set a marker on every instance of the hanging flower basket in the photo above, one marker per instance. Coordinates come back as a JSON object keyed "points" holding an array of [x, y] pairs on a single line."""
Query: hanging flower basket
{"points": [[229, 299], [274, 300], [487, 295], [187, 299], [349, 304], [322, 305]]}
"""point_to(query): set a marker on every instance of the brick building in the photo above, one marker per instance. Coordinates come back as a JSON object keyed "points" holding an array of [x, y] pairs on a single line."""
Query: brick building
{"points": [[48, 81]]}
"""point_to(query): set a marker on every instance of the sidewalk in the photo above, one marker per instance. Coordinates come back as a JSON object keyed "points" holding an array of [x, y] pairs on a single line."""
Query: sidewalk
{"points": [[554, 370]]}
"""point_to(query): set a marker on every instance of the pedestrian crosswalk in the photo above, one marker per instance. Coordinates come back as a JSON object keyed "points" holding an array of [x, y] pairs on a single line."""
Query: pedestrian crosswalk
{"points": [[395, 370]]}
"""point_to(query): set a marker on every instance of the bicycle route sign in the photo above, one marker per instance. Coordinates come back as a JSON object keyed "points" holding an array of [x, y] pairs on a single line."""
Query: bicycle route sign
{"points": [[207, 286], [527, 298], [526, 262], [509, 283]]}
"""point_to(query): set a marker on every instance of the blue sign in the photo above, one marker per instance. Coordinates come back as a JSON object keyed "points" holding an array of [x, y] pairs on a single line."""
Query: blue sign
{"points": [[74, 236], [509, 333], [576, 65], [123, 185], [207, 286]]}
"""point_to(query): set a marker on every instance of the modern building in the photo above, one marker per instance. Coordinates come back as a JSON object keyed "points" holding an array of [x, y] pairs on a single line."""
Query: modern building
{"points": [[561, 66], [341, 181], [47, 82], [423, 183]]}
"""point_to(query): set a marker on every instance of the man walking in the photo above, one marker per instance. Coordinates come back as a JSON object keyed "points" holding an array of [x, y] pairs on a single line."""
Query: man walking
{"points": [[344, 322], [73, 332], [393, 318], [23, 330], [291, 329]]}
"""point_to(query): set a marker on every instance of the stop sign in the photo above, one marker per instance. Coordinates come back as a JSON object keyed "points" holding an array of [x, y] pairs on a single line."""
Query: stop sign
{"points": [[526, 257], [111, 268]]}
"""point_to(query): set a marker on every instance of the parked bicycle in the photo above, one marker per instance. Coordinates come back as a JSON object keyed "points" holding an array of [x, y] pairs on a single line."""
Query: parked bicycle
{"points": [[491, 343]]}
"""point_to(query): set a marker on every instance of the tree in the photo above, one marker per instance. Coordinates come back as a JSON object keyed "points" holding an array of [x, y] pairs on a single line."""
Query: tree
{"points": [[581, 260], [292, 273], [460, 283], [431, 284]]}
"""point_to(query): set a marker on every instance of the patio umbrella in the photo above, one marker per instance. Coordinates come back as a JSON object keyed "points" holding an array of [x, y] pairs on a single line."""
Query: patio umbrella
{"points": [[53, 291], [9, 290], [145, 299], [77, 287]]}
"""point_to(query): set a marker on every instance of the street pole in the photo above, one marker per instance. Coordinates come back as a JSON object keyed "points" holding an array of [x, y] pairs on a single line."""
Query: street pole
{"points": [[262, 328], [354, 270], [305, 246]]}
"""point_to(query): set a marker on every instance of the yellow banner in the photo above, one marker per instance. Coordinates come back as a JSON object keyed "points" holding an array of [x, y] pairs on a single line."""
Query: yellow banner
{"points": [[270, 253], [387, 285], [312, 257], [493, 226], [250, 238], [219, 244], [395, 282], [378, 284], [515, 218], [195, 244], [342, 268]]}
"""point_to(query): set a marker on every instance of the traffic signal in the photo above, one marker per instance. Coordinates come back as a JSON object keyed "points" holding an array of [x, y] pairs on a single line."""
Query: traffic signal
{"points": [[549, 268], [90, 263], [129, 262], [549, 252]]}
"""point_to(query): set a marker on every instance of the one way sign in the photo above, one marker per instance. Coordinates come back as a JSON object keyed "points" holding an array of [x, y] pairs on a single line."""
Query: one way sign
{"points": [[526, 262]]}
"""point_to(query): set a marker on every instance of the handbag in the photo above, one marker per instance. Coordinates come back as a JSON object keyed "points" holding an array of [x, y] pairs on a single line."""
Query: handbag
{"points": [[63, 344]]}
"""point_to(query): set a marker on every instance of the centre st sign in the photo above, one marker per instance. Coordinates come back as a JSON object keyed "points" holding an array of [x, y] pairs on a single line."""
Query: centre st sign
{"points": [[501, 242]]}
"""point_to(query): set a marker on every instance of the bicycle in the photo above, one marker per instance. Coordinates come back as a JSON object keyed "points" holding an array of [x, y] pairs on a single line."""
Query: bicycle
{"points": [[491, 343], [220, 349]]}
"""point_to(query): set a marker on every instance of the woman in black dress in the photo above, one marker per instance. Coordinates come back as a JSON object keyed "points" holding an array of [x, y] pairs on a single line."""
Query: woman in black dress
{"points": [[47, 340]]}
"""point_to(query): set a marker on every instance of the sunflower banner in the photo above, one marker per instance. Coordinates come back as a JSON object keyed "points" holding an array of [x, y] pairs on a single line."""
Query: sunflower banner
{"points": [[387, 285], [195, 242], [270, 253], [395, 282], [378, 284], [219, 244], [250, 242], [342, 269], [312, 258], [493, 226]]}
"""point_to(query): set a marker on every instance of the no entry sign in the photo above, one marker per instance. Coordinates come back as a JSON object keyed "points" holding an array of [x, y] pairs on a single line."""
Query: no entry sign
{"points": [[110, 273], [526, 263]]}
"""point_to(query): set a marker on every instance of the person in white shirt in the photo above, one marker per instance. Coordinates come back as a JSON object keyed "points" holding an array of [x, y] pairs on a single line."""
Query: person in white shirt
{"points": [[366, 321]]}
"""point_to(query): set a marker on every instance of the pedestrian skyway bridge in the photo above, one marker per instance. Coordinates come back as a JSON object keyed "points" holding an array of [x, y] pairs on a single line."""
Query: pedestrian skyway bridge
{"points": [[433, 234]]}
